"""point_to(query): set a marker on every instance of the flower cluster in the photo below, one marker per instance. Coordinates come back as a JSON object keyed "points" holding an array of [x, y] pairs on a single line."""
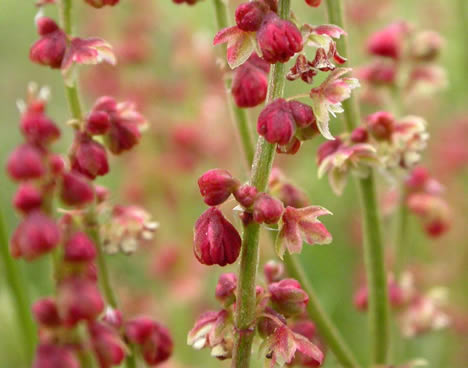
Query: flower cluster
{"points": [[423, 196], [417, 312], [404, 58], [216, 241], [285, 335]]}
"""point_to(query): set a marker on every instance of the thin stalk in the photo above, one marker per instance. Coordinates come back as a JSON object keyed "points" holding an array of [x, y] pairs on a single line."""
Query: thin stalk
{"points": [[237, 114], [373, 243], [261, 167], [19, 291], [325, 325], [73, 98]]}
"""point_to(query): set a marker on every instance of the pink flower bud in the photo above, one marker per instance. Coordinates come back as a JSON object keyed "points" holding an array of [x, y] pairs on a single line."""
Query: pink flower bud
{"points": [[46, 313], [314, 3], [216, 241], [113, 317], [267, 209], [216, 186], [139, 329], [250, 82], [54, 356], [79, 299], [38, 128], [249, 16], [276, 123], [436, 227], [418, 179], [273, 271], [378, 73], [50, 49], [89, 157], [381, 125], [26, 162], [101, 3], [387, 42], [76, 190], [27, 198], [57, 164], [245, 195], [328, 148], [108, 346], [79, 248], [359, 135], [226, 288], [98, 123], [278, 39], [267, 325], [35, 236], [303, 114], [288, 297]]}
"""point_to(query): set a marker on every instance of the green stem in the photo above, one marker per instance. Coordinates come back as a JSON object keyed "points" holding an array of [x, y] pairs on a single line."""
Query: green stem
{"points": [[73, 98], [373, 242], [19, 290], [238, 115], [261, 167], [325, 325]]}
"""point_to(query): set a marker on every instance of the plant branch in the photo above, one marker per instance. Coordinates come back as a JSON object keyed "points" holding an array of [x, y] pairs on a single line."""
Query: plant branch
{"points": [[373, 242]]}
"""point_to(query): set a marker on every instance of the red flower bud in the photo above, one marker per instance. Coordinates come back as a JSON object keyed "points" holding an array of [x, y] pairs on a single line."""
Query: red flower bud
{"points": [[418, 178], [107, 344], [302, 113], [79, 248], [113, 317], [33, 237], [101, 3], [278, 39], [273, 271], [139, 329], [54, 356], [245, 195], [314, 3], [26, 162], [276, 123], [328, 148], [226, 288], [50, 49], [57, 164], [359, 135], [27, 198], [46, 313], [38, 128], [291, 148], [216, 241], [79, 299], [267, 209], [381, 125], [89, 157], [288, 298], [250, 82], [98, 123], [249, 16], [216, 186], [76, 190], [387, 42]]}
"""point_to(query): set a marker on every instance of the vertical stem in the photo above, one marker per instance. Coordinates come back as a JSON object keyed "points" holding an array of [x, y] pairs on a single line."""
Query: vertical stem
{"points": [[19, 291], [325, 325], [238, 114], [261, 167], [373, 242]]}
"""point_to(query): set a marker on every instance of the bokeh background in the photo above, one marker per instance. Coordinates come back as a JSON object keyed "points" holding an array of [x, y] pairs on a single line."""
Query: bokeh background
{"points": [[167, 65]]}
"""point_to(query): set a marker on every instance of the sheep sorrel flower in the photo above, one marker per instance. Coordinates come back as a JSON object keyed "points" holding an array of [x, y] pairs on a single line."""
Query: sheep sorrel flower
{"points": [[50, 49], [288, 297], [216, 240], [388, 42], [216, 186]]}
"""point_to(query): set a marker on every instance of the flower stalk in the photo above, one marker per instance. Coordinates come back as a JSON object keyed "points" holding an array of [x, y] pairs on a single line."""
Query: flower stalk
{"points": [[373, 241], [19, 291]]}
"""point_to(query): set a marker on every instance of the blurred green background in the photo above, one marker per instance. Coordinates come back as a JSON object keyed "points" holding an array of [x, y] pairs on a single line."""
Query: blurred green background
{"points": [[179, 39]]}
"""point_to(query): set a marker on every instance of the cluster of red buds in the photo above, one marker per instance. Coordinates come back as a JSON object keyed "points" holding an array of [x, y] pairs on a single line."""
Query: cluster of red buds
{"points": [[417, 312], [286, 336], [423, 196], [404, 58], [216, 240]]}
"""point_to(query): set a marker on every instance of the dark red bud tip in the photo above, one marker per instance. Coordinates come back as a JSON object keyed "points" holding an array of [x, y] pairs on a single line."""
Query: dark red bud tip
{"points": [[27, 198], [76, 189], [79, 248], [288, 297], [50, 49], [98, 123], [216, 186], [302, 113], [250, 82], [267, 209], [89, 157], [359, 135], [276, 123], [46, 313], [26, 162], [249, 16], [245, 195], [216, 240], [46, 25], [381, 125], [38, 129], [314, 3]]}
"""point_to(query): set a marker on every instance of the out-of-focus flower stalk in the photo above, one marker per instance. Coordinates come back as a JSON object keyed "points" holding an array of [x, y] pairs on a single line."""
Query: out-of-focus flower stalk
{"points": [[239, 115], [373, 242], [19, 292], [261, 167], [73, 98]]}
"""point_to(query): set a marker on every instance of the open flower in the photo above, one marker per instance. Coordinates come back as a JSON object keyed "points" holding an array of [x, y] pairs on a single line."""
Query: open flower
{"points": [[327, 98], [301, 224]]}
